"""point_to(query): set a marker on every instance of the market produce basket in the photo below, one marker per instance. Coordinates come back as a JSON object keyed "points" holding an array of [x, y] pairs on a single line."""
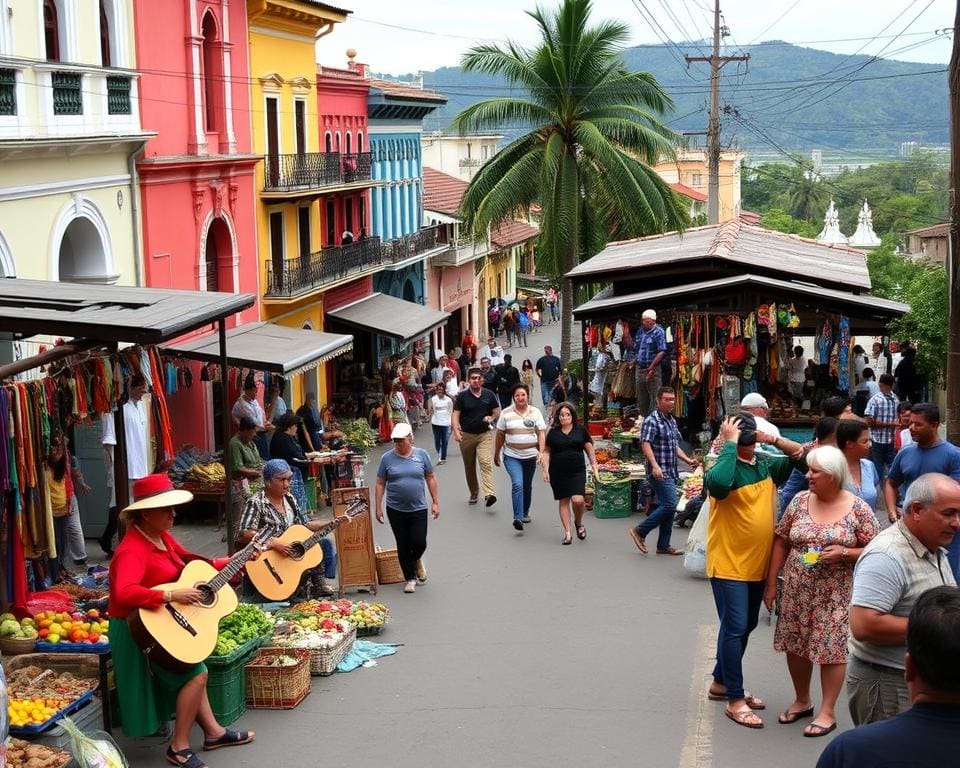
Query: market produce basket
{"points": [[226, 682], [22, 753], [272, 686], [12, 646], [80, 675], [388, 567], [323, 661], [612, 498]]}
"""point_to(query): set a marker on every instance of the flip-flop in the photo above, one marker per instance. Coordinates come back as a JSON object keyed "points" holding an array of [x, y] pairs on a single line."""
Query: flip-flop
{"points": [[228, 739], [190, 759], [567, 538], [815, 730], [787, 717], [581, 531], [742, 717]]}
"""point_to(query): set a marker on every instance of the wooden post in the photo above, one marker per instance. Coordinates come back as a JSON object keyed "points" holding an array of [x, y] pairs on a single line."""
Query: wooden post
{"points": [[584, 364]]}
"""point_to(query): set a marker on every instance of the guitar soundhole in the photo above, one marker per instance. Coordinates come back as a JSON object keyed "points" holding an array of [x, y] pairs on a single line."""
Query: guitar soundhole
{"points": [[297, 551], [208, 595]]}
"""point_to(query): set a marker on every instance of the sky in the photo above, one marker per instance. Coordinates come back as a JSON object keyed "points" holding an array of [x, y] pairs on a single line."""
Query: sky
{"points": [[401, 36]]}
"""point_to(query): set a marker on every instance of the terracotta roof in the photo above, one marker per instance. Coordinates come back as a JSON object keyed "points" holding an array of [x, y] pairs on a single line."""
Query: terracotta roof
{"points": [[686, 191], [327, 6], [937, 230], [749, 217], [442, 192], [404, 91], [510, 233]]}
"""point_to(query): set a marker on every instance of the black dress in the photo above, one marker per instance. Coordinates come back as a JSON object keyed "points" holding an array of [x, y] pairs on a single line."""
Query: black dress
{"points": [[568, 474]]}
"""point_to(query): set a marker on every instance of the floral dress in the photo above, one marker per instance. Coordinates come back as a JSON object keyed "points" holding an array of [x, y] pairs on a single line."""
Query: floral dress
{"points": [[815, 607]]}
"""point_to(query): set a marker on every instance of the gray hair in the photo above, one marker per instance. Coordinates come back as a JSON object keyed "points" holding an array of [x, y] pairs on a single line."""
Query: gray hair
{"points": [[830, 460], [923, 490]]}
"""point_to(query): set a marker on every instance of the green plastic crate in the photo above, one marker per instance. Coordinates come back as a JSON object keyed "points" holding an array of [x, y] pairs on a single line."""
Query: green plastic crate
{"points": [[612, 499], [227, 682]]}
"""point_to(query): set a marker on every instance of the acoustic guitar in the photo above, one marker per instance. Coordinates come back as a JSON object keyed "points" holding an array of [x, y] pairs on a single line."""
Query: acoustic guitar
{"points": [[277, 576], [178, 635]]}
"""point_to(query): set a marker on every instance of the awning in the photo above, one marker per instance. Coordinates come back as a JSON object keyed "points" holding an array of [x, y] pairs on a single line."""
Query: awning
{"points": [[267, 347], [389, 316]]}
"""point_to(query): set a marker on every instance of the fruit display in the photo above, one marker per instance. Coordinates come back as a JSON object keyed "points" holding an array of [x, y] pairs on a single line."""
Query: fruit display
{"points": [[241, 626], [693, 485], [23, 629], [90, 627], [363, 615], [211, 473], [24, 712], [23, 754], [33, 683]]}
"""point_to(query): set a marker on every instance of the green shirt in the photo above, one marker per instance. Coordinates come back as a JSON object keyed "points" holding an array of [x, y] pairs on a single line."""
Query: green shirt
{"points": [[243, 455]]}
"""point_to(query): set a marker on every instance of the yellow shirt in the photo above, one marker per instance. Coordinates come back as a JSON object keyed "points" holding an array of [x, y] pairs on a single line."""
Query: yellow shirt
{"points": [[57, 490]]}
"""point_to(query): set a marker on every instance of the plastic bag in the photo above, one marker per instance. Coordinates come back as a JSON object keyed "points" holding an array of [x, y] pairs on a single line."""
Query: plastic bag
{"points": [[362, 652], [94, 750], [695, 557]]}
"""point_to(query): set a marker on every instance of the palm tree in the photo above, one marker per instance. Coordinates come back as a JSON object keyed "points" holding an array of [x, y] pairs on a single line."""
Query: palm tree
{"points": [[594, 132]]}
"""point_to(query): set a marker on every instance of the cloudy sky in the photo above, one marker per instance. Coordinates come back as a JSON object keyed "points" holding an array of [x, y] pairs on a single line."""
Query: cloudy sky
{"points": [[399, 36]]}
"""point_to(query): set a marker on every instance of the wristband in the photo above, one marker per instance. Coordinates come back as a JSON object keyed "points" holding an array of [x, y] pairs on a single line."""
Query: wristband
{"points": [[168, 596]]}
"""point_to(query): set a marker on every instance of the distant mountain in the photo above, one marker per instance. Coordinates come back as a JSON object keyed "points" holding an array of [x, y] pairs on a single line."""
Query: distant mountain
{"points": [[786, 95]]}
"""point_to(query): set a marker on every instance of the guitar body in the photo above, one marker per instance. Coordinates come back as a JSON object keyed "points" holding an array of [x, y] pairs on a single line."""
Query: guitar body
{"points": [[275, 576], [178, 635]]}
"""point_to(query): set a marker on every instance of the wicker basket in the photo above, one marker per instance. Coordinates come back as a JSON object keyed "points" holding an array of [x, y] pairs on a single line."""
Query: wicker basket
{"points": [[271, 687], [84, 665], [12, 646], [323, 661], [388, 567]]}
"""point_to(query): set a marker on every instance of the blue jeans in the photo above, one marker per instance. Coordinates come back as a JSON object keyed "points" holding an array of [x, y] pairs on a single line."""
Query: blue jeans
{"points": [[546, 388], [441, 438], [795, 483], [738, 606], [662, 515], [881, 454], [521, 473], [329, 558]]}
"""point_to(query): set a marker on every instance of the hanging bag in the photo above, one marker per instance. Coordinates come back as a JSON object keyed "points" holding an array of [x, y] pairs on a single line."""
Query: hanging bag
{"points": [[736, 351]]}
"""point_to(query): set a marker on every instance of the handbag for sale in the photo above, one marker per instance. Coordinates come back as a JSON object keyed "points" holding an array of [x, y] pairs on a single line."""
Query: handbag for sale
{"points": [[736, 352]]}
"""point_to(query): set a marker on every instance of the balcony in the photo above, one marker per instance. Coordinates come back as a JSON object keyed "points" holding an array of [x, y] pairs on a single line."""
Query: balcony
{"points": [[311, 173], [296, 277], [470, 162], [461, 251]]}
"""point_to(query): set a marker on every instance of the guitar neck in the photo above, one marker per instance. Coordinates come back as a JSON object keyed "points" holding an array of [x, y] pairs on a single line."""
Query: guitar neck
{"points": [[231, 568], [355, 510]]}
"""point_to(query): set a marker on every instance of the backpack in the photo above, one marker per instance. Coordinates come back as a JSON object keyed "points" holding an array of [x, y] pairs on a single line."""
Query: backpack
{"points": [[524, 321]]}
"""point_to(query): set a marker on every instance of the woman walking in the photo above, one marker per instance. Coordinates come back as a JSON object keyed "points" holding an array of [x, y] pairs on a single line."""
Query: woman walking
{"points": [[817, 543], [440, 409], [520, 435], [401, 476], [563, 468], [526, 373]]}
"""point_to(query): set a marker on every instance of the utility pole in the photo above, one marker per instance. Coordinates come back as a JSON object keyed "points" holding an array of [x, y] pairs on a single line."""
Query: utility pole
{"points": [[953, 250], [716, 62]]}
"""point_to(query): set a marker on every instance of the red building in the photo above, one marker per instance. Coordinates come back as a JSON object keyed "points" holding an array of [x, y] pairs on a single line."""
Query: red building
{"points": [[196, 175]]}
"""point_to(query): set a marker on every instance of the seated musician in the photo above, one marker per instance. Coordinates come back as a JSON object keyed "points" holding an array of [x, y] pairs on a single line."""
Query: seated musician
{"points": [[275, 509], [149, 694]]}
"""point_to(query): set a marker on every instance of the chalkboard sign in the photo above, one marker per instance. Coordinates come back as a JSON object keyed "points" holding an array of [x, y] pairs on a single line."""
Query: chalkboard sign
{"points": [[356, 562]]}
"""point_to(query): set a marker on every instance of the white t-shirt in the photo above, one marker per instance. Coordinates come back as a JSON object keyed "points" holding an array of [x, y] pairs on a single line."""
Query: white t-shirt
{"points": [[765, 426], [797, 367], [522, 433], [135, 433], [452, 388], [495, 354], [442, 409], [252, 409], [905, 437]]}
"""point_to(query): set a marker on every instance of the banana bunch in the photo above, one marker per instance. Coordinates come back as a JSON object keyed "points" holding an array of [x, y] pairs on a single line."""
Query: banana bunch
{"points": [[208, 474]]}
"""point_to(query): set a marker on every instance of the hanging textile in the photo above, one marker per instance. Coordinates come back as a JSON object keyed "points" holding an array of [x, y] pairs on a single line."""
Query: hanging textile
{"points": [[843, 361]]}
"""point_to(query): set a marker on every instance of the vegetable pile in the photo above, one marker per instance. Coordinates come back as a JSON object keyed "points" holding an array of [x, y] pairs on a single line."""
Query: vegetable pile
{"points": [[361, 614], [241, 626]]}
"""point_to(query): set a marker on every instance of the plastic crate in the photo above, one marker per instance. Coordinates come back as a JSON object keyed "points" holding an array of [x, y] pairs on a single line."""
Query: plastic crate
{"points": [[612, 499], [87, 719], [227, 682]]}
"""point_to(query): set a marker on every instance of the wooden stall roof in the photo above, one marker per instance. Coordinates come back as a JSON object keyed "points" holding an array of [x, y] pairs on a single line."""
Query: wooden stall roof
{"points": [[267, 347], [865, 308], [734, 244], [110, 313], [390, 316]]}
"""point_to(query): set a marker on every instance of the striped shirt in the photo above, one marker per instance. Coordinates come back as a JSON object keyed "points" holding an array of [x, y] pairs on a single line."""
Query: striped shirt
{"points": [[521, 433], [882, 408]]}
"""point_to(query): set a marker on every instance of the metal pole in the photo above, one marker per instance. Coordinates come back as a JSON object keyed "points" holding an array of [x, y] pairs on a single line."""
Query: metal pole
{"points": [[713, 129], [953, 251], [584, 364], [225, 423]]}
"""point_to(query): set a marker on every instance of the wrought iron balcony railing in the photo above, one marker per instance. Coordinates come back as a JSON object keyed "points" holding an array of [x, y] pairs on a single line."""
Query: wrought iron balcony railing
{"points": [[67, 96], [314, 170], [118, 95], [395, 251]]}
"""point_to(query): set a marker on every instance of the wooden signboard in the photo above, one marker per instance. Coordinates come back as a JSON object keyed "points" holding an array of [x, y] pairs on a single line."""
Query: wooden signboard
{"points": [[356, 562]]}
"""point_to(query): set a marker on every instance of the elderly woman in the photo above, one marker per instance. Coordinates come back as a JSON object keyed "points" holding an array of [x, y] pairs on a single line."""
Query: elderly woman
{"points": [[150, 694], [817, 541], [400, 477], [275, 509], [853, 439]]}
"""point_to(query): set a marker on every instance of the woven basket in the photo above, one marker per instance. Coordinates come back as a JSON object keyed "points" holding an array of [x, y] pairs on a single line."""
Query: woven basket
{"points": [[85, 665], [270, 687], [388, 567], [323, 661], [12, 646]]}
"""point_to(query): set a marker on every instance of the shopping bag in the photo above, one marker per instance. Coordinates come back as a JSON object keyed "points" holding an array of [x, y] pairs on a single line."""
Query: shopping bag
{"points": [[695, 557]]}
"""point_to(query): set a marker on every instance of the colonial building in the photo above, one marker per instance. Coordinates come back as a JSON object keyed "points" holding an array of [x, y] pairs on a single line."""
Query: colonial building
{"points": [[69, 132], [459, 156], [929, 243], [690, 168]]}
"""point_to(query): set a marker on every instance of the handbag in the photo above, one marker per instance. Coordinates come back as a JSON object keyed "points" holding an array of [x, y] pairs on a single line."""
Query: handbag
{"points": [[736, 352]]}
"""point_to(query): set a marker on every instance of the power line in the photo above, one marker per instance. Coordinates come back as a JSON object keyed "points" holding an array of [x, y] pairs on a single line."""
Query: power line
{"points": [[774, 22]]}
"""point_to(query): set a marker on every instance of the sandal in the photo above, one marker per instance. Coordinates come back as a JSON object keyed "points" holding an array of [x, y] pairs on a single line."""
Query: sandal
{"points": [[190, 759], [228, 739], [581, 531], [815, 730], [567, 538], [745, 717], [754, 702], [788, 717]]}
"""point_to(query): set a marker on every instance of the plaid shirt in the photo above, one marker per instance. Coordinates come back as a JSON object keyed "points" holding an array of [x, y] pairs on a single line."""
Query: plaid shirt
{"points": [[660, 430], [649, 343], [261, 515], [882, 407]]}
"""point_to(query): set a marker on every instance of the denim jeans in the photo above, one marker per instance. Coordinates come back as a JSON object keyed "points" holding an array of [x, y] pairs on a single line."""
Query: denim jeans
{"points": [[662, 515], [546, 389], [521, 473], [521, 334], [329, 558], [738, 606], [881, 454], [441, 437]]}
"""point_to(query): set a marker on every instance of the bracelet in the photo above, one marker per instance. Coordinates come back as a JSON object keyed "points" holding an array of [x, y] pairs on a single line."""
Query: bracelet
{"points": [[843, 553], [167, 596]]}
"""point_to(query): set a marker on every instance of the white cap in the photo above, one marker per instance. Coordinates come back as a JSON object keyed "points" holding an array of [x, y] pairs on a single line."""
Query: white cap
{"points": [[754, 400], [648, 313], [401, 431]]}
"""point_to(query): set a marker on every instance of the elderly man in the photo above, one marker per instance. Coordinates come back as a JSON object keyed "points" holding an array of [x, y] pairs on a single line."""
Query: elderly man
{"points": [[650, 343], [894, 569], [756, 404], [926, 734]]}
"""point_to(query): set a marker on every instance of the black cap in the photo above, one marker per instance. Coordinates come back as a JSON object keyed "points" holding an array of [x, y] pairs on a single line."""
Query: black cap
{"points": [[748, 429]]}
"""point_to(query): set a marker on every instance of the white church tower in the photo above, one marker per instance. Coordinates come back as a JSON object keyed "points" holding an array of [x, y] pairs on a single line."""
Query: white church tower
{"points": [[865, 237], [831, 228]]}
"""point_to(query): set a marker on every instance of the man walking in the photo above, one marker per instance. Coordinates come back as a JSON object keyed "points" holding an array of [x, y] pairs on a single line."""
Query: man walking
{"points": [[507, 378], [552, 300], [650, 343], [248, 405], [881, 413], [520, 435], [549, 369], [900, 564], [475, 409], [660, 440], [494, 351]]}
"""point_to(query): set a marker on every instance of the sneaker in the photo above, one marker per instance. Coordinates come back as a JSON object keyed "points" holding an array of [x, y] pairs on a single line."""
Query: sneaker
{"points": [[410, 586], [491, 500], [518, 524], [472, 500], [421, 571], [527, 519]]}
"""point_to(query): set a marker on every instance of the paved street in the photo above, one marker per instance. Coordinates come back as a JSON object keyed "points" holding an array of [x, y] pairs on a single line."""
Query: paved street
{"points": [[522, 652]]}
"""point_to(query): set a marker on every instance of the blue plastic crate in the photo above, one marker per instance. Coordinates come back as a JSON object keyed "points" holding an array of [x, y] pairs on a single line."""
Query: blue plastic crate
{"points": [[41, 727]]}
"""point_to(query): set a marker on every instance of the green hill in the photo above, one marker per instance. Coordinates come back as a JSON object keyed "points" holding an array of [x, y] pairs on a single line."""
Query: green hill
{"points": [[787, 95]]}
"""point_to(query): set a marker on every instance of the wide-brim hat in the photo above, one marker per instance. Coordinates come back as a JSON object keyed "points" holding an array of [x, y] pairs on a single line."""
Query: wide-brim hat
{"points": [[156, 492]]}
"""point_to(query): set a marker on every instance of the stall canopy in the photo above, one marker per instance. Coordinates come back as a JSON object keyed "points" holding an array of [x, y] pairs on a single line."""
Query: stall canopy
{"points": [[389, 316], [267, 347]]}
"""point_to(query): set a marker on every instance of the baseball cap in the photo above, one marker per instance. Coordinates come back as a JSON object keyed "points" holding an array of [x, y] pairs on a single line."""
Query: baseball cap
{"points": [[754, 400], [401, 431]]}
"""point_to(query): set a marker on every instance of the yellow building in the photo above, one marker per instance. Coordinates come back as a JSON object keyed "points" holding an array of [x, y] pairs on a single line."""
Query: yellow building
{"points": [[690, 168]]}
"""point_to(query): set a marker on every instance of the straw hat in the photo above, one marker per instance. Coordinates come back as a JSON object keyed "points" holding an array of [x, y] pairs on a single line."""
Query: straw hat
{"points": [[155, 492]]}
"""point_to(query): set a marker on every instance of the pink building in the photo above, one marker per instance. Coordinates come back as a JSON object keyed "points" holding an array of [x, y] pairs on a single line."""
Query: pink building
{"points": [[196, 175]]}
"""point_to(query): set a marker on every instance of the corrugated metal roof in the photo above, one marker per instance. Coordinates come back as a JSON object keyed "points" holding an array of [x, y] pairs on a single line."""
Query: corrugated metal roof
{"points": [[739, 244], [390, 316], [605, 305]]}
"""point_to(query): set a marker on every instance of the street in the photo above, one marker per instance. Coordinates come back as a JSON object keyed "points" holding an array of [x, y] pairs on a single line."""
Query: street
{"points": [[521, 652]]}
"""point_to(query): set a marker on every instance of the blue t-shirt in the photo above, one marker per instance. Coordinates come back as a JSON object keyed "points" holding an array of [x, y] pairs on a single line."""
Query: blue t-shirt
{"points": [[924, 735], [405, 477], [868, 484], [912, 461]]}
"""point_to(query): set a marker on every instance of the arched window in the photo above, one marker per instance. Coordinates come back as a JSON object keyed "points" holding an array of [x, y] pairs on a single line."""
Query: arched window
{"points": [[328, 142], [51, 30], [211, 71], [349, 144], [338, 142], [104, 36], [359, 142]]}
